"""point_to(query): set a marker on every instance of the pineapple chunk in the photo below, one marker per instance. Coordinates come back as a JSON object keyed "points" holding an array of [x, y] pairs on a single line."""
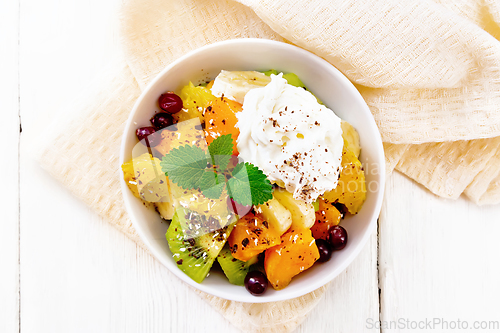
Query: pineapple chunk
{"points": [[145, 178], [303, 215], [188, 132], [166, 208], [351, 189], [351, 138], [276, 214], [147, 182], [194, 101], [236, 84]]}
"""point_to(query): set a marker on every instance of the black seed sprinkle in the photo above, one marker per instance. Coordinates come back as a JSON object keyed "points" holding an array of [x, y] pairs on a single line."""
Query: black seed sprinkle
{"points": [[245, 242]]}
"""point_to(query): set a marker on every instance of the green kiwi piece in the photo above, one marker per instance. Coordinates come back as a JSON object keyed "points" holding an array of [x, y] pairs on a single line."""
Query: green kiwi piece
{"points": [[316, 205], [293, 80], [195, 252], [271, 71], [234, 269]]}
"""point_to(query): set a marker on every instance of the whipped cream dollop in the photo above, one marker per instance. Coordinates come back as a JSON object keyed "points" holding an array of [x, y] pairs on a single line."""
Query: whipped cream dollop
{"points": [[293, 139]]}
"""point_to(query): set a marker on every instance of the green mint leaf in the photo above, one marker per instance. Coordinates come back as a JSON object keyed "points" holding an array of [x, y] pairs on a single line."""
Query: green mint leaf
{"points": [[223, 145], [185, 166], [214, 192], [221, 150], [212, 184], [249, 185], [239, 185], [221, 161]]}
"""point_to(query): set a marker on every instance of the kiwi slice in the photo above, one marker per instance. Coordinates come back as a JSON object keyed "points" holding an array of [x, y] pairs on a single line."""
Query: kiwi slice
{"points": [[293, 80], [271, 71], [234, 269], [194, 245]]}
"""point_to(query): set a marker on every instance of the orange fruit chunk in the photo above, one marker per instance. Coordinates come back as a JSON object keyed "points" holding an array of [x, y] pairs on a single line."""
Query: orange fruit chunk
{"points": [[251, 235], [326, 217], [220, 119], [296, 253]]}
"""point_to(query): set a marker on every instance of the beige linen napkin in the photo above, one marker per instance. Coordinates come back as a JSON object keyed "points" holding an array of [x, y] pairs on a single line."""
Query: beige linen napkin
{"points": [[429, 71]]}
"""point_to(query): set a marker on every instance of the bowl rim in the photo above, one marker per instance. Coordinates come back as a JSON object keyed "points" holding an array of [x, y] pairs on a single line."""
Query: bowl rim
{"points": [[318, 283]]}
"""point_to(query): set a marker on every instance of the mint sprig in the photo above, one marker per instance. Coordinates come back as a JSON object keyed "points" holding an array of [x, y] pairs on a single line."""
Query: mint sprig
{"points": [[185, 165], [220, 150], [212, 184], [249, 185], [191, 167]]}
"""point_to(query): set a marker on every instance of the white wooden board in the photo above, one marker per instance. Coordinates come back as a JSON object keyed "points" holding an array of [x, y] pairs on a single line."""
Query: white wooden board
{"points": [[439, 260], [9, 167]]}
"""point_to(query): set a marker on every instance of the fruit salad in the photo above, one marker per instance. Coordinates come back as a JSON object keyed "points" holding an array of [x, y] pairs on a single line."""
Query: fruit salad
{"points": [[253, 173]]}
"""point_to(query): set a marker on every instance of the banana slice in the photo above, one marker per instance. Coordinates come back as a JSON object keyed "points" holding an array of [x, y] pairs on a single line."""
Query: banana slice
{"points": [[236, 84], [351, 138], [166, 208], [276, 214], [303, 215]]}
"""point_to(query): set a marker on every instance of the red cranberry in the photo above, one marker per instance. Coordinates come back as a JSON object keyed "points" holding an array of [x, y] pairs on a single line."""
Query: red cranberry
{"points": [[256, 282], [146, 136], [237, 208], [170, 102], [162, 120], [337, 237], [325, 251]]}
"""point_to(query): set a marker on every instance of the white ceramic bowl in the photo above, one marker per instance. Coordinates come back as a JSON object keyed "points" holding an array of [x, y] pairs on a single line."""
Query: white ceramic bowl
{"points": [[327, 83]]}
